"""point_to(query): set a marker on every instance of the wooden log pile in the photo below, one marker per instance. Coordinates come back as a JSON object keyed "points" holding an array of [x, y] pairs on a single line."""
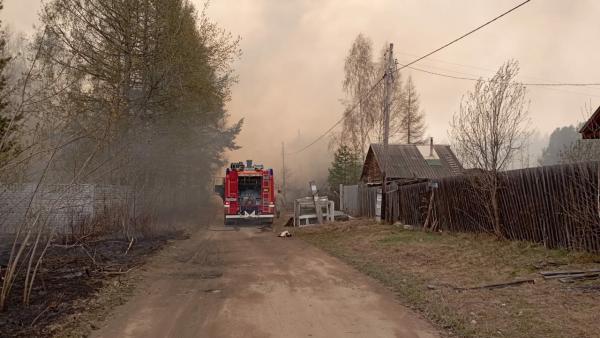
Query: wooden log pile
{"points": [[571, 276]]}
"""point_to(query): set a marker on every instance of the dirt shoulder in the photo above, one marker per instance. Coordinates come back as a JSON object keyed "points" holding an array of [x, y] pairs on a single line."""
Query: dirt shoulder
{"points": [[77, 285], [427, 270]]}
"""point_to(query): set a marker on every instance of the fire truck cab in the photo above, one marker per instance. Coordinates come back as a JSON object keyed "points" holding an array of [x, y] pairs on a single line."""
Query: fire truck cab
{"points": [[248, 194]]}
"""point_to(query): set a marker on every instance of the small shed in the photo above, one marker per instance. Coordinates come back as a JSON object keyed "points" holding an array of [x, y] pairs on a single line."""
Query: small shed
{"points": [[410, 162], [591, 129]]}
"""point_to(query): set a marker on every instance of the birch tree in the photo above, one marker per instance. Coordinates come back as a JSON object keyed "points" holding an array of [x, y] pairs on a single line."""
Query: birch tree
{"points": [[359, 70], [396, 105]]}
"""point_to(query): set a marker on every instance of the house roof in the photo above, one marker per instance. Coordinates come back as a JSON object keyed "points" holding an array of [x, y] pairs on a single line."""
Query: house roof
{"points": [[406, 161], [591, 129]]}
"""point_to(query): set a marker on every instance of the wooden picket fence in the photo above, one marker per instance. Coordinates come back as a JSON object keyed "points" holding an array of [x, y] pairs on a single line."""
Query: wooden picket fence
{"points": [[368, 200], [557, 206]]}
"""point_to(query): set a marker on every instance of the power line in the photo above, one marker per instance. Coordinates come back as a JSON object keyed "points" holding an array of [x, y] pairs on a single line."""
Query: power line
{"points": [[464, 35], [346, 114], [405, 66], [448, 62], [546, 86], [541, 84], [558, 84], [442, 74], [467, 76]]}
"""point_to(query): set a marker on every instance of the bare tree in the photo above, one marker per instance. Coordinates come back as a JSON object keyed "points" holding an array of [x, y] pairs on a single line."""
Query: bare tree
{"points": [[412, 119], [580, 203], [489, 129], [8, 121], [581, 151], [359, 70]]}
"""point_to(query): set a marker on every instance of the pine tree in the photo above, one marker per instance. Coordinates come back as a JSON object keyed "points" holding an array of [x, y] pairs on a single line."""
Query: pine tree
{"points": [[412, 123], [345, 168]]}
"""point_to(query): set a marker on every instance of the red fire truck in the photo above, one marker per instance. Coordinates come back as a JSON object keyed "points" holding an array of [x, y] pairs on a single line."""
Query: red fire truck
{"points": [[248, 194]]}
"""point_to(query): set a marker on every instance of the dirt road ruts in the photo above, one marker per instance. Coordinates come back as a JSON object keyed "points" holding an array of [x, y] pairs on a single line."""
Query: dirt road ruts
{"points": [[247, 283]]}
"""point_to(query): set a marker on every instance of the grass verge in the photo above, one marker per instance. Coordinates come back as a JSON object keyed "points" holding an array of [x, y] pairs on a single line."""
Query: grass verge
{"points": [[426, 271]]}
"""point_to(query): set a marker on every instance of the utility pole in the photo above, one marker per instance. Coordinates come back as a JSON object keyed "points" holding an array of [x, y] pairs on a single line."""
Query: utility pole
{"points": [[283, 170], [388, 91]]}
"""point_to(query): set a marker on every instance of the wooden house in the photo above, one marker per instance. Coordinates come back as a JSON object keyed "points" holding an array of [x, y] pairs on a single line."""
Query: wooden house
{"points": [[410, 163], [591, 129]]}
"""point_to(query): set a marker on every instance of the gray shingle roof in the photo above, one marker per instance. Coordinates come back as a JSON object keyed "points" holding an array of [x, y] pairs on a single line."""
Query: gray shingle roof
{"points": [[406, 161]]}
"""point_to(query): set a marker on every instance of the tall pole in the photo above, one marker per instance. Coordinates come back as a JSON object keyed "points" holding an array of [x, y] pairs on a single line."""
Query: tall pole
{"points": [[388, 91], [283, 171], [389, 82]]}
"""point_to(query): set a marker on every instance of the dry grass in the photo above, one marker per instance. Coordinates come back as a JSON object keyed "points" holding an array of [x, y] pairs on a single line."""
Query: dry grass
{"points": [[76, 285], [424, 269]]}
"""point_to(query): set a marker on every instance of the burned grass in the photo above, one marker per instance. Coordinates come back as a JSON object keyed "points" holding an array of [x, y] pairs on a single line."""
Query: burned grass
{"points": [[430, 271], [76, 286]]}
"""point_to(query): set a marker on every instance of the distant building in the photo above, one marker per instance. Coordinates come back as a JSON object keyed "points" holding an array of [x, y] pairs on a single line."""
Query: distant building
{"points": [[410, 162], [591, 129]]}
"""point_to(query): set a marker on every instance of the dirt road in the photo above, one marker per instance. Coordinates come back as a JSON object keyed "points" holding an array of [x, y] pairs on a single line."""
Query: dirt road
{"points": [[245, 283]]}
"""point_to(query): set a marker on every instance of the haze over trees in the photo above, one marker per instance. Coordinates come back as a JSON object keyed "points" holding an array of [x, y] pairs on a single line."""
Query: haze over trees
{"points": [[561, 139], [566, 145], [9, 147], [489, 130], [143, 83], [581, 151], [363, 85], [120, 93]]}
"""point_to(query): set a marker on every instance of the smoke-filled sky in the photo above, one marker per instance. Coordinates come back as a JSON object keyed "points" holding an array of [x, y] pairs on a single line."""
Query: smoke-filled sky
{"points": [[291, 70]]}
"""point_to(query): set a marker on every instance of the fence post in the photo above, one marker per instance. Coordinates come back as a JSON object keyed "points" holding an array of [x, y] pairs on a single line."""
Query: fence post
{"points": [[378, 201], [341, 197]]}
